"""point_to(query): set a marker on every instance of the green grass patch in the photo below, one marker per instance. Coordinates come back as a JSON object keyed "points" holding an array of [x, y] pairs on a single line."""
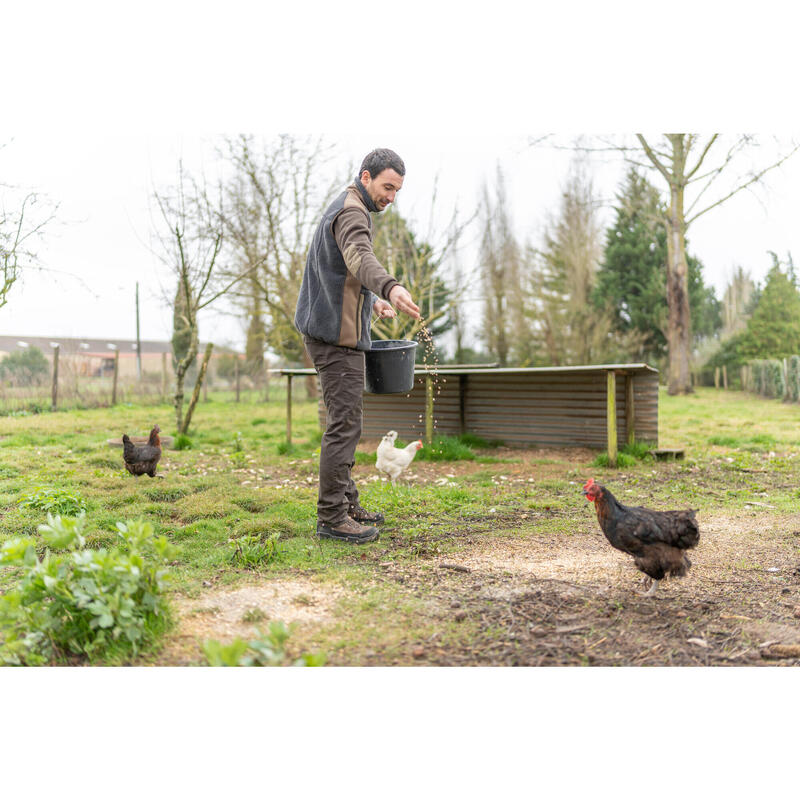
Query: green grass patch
{"points": [[446, 448]]}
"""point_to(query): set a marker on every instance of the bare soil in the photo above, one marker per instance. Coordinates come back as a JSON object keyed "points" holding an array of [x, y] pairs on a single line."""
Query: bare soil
{"points": [[522, 597]]}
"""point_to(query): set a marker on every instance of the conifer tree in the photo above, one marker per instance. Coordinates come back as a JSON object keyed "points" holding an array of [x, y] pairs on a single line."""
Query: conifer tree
{"points": [[632, 277], [774, 329]]}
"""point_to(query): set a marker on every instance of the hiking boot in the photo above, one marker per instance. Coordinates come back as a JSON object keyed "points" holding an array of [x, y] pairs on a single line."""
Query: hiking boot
{"points": [[348, 530], [363, 516]]}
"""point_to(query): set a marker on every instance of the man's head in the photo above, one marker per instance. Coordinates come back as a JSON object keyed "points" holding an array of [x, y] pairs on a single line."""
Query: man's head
{"points": [[381, 175]]}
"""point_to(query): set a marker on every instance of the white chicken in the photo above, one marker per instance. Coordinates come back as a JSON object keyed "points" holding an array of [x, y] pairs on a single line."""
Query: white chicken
{"points": [[393, 460]]}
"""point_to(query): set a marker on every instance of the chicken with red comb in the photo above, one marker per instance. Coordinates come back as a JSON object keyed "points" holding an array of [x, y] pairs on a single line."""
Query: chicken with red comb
{"points": [[656, 539]]}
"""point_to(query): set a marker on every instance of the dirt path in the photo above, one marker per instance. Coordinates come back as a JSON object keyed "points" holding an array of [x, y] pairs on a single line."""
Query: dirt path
{"points": [[527, 598]]}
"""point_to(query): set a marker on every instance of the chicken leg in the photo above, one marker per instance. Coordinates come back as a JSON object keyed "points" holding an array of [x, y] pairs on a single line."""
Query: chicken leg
{"points": [[652, 590]]}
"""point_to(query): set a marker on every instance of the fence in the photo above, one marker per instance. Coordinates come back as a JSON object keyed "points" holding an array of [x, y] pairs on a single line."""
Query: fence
{"points": [[779, 378], [72, 390]]}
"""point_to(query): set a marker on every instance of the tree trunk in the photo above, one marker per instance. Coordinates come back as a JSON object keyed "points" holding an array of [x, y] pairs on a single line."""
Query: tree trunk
{"points": [[196, 393], [180, 372], [678, 324]]}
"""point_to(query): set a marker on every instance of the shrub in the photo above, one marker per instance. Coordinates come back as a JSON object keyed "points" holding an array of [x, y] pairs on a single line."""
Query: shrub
{"points": [[268, 650], [53, 501], [28, 367], [83, 603], [254, 550]]}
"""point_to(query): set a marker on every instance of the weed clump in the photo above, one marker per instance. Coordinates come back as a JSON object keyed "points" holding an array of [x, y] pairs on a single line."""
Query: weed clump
{"points": [[53, 501]]}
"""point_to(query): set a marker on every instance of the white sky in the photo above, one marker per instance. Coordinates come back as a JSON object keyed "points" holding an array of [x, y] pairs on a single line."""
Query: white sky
{"points": [[105, 113], [99, 247]]}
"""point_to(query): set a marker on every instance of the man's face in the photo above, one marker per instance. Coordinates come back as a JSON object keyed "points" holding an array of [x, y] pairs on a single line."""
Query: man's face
{"points": [[383, 187]]}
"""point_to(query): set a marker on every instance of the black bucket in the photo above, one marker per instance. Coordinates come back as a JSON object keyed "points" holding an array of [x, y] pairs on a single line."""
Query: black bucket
{"points": [[389, 366]]}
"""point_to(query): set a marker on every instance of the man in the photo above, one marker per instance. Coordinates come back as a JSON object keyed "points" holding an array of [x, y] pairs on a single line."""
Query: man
{"points": [[342, 285]]}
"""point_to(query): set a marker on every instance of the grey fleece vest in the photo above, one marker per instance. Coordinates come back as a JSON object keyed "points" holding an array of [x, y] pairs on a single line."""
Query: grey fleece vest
{"points": [[319, 305]]}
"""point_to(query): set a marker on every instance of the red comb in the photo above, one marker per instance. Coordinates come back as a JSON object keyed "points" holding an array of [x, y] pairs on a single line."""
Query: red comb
{"points": [[589, 483]]}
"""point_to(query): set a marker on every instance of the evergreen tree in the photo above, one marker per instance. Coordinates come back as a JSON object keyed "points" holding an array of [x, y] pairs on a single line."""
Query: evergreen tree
{"points": [[632, 278], [774, 329]]}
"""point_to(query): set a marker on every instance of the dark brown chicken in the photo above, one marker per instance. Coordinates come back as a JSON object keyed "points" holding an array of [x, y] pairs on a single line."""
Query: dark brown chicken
{"points": [[141, 459], [655, 539]]}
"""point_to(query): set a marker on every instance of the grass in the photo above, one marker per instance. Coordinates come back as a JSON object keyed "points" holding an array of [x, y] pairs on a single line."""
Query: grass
{"points": [[241, 482]]}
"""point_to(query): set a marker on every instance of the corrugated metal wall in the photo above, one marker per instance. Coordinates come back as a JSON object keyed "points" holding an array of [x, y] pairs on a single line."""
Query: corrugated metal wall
{"points": [[529, 408]]}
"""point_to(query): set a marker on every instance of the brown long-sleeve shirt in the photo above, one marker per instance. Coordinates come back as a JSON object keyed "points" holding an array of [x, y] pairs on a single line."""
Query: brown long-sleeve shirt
{"points": [[352, 230]]}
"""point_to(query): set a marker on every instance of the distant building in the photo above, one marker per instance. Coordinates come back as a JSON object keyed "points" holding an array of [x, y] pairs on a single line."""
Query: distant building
{"points": [[95, 357]]}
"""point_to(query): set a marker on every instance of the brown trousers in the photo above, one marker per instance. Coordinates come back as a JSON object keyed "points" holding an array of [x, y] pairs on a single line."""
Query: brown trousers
{"points": [[341, 375]]}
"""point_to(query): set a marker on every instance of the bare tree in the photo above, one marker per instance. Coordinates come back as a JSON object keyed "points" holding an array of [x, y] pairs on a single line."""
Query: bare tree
{"points": [[570, 329], [499, 264], [735, 303], [701, 165], [189, 242], [272, 202], [21, 226]]}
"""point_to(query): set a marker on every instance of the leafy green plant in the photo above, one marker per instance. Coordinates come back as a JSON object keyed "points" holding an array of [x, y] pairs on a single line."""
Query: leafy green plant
{"points": [[83, 603], [268, 650], [445, 448], [182, 442], [238, 442], [254, 550], [53, 501], [624, 460]]}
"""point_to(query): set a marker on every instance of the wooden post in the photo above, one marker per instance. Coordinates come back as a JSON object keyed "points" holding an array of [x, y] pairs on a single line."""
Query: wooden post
{"points": [[289, 409], [205, 388], [236, 376], [724, 377], [630, 410], [56, 351], [115, 379], [429, 409], [163, 376], [611, 417], [716, 377]]}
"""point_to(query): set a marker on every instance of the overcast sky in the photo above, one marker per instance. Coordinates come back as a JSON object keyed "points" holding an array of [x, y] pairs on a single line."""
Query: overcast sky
{"points": [[102, 116]]}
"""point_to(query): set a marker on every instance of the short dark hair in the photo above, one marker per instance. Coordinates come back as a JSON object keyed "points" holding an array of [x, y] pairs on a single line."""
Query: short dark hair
{"points": [[379, 160]]}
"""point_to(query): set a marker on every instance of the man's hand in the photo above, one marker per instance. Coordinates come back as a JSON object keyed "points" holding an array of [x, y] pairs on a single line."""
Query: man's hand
{"points": [[401, 298], [382, 309]]}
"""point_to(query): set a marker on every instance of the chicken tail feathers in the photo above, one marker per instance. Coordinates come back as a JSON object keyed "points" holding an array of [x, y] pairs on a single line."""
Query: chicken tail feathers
{"points": [[128, 448]]}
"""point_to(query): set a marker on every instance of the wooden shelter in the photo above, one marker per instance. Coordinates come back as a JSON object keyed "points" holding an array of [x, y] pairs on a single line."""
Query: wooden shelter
{"points": [[597, 406]]}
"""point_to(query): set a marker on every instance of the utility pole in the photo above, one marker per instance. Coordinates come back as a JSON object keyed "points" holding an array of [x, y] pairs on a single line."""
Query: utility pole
{"points": [[138, 340]]}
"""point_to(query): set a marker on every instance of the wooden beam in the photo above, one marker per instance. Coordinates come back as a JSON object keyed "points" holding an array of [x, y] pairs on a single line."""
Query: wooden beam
{"points": [[630, 410], [429, 409], [289, 409], [611, 417]]}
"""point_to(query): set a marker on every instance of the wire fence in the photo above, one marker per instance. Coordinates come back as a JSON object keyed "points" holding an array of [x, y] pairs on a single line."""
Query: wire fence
{"points": [[81, 392]]}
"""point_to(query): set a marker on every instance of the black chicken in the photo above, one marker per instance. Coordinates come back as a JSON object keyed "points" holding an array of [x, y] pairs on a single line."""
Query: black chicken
{"points": [[655, 539], [141, 459]]}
